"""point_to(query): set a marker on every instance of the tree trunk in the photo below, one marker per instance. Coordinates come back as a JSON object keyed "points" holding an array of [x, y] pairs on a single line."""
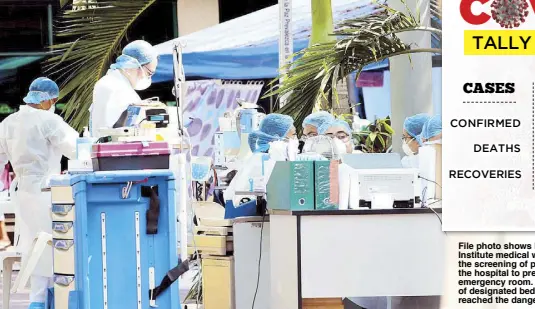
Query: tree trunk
{"points": [[322, 22], [322, 28], [342, 106]]}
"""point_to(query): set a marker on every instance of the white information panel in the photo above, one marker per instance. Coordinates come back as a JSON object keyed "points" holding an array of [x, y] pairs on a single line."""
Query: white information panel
{"points": [[488, 115]]}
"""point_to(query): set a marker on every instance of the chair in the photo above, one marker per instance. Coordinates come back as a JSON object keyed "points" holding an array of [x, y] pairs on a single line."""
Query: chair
{"points": [[8, 258], [39, 244], [12, 255], [27, 268]]}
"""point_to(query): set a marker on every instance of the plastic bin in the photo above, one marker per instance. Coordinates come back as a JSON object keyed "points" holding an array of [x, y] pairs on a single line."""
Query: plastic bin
{"points": [[130, 156]]}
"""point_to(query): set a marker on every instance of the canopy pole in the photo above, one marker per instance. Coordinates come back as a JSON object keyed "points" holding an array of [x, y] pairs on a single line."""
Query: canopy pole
{"points": [[183, 186], [285, 39], [50, 28]]}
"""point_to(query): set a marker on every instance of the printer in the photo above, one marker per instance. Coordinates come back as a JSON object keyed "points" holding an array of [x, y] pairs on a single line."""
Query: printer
{"points": [[384, 188]]}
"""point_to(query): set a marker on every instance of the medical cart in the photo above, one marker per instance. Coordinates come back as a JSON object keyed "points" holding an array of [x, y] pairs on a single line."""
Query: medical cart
{"points": [[114, 237]]}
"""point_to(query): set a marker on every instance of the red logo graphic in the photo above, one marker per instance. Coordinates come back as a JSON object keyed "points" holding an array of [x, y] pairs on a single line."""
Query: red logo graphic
{"points": [[507, 13]]}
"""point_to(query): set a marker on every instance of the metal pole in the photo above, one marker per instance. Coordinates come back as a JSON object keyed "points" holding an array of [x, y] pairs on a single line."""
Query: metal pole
{"points": [[182, 159], [285, 37], [50, 30], [175, 19]]}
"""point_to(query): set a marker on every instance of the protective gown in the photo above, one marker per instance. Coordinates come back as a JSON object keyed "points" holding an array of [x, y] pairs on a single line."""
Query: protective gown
{"points": [[112, 95], [34, 140]]}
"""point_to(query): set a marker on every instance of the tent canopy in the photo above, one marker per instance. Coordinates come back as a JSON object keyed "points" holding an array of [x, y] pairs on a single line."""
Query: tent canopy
{"points": [[247, 47]]}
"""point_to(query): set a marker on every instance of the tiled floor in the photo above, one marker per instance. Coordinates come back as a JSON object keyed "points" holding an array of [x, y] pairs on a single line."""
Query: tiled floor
{"points": [[18, 301]]}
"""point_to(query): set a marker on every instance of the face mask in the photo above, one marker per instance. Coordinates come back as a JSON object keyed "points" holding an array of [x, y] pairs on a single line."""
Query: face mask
{"points": [[439, 141], [340, 147], [278, 150], [406, 149], [144, 82], [293, 149]]}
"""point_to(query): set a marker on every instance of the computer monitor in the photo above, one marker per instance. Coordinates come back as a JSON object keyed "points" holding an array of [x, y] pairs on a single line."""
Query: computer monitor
{"points": [[372, 160]]}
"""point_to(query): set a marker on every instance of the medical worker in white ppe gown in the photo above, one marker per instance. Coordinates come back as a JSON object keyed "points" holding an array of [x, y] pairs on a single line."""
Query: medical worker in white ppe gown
{"points": [[114, 92], [33, 140], [412, 140]]}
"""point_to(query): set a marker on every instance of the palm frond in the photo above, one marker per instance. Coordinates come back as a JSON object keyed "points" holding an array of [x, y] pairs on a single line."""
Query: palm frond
{"points": [[95, 31], [436, 8], [362, 41]]}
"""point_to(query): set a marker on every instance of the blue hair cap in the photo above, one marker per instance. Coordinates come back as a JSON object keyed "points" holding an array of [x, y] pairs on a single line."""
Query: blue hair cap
{"points": [[414, 124], [317, 119], [432, 127], [273, 127], [135, 55], [335, 123], [41, 89]]}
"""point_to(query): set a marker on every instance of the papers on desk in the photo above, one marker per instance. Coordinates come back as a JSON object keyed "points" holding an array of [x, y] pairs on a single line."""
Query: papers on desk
{"points": [[382, 201]]}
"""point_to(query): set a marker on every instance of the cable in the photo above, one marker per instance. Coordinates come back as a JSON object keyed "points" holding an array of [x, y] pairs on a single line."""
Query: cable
{"points": [[429, 180], [192, 213], [424, 197], [436, 213], [259, 260], [183, 133], [424, 201]]}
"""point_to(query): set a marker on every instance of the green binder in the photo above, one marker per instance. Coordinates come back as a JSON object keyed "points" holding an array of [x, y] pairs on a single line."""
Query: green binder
{"points": [[291, 186]]}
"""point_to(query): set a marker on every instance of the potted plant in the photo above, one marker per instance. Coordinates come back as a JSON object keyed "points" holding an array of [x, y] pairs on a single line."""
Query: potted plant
{"points": [[376, 138]]}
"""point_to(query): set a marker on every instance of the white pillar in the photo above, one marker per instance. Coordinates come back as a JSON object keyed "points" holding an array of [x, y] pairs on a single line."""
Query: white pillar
{"points": [[196, 15], [411, 80]]}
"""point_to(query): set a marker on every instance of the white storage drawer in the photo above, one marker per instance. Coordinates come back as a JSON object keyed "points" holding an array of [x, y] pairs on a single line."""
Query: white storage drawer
{"points": [[62, 212], [62, 286], [62, 230], [62, 195], [64, 256]]}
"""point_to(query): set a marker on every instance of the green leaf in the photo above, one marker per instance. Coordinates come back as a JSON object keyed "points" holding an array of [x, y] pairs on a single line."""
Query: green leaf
{"points": [[312, 79], [93, 36], [381, 140], [64, 3], [373, 136], [388, 128]]}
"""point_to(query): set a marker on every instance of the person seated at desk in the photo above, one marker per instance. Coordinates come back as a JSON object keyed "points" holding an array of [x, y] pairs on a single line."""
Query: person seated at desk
{"points": [[275, 130], [313, 121], [412, 128], [340, 131], [276, 137], [432, 131]]}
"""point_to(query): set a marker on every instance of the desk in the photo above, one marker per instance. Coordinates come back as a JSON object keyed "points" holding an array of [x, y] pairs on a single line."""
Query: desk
{"points": [[355, 253], [247, 255]]}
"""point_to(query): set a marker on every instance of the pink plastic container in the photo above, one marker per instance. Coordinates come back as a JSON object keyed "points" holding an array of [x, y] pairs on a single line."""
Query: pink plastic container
{"points": [[130, 156]]}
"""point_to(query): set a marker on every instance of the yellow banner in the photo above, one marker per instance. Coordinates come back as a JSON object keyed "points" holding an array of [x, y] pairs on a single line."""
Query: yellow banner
{"points": [[499, 42]]}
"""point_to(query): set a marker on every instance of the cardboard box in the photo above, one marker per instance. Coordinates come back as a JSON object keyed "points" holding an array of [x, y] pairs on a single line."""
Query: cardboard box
{"points": [[218, 282]]}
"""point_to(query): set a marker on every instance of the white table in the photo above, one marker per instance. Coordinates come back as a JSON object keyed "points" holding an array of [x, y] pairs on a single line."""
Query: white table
{"points": [[247, 271], [355, 253]]}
